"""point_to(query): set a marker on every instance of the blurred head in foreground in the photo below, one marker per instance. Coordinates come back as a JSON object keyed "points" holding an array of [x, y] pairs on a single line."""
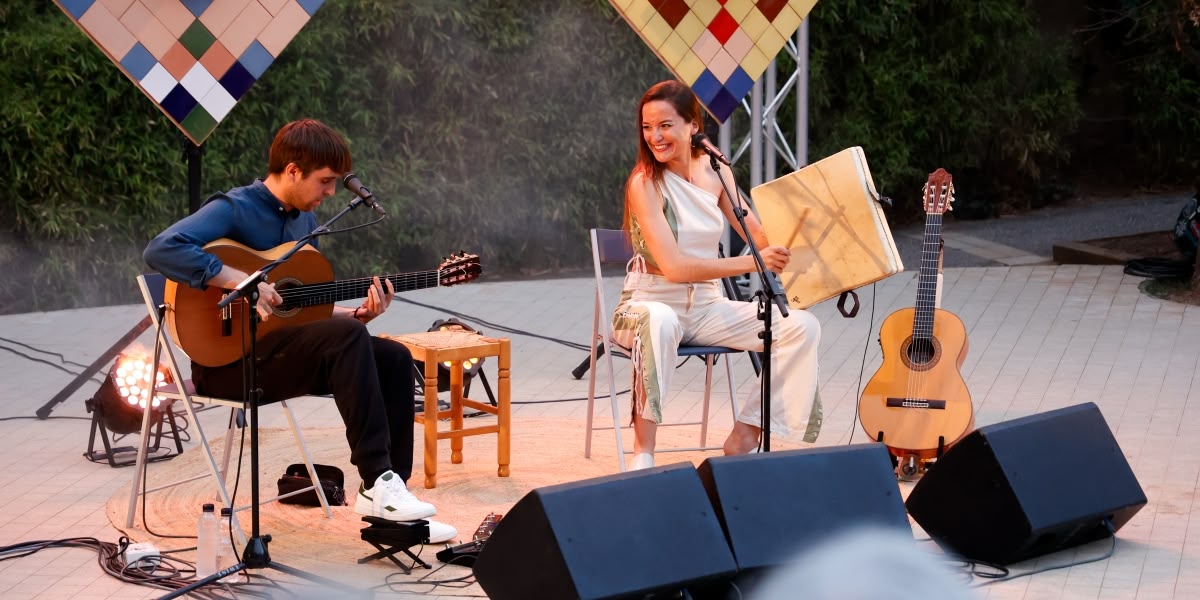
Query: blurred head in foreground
{"points": [[866, 564]]}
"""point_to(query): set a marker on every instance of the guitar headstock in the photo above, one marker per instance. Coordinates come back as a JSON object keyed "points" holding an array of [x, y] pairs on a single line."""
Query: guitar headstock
{"points": [[486, 527], [459, 268], [939, 192]]}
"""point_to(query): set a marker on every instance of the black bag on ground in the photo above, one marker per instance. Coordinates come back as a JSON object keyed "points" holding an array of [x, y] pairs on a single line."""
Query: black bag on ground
{"points": [[296, 478], [1157, 267], [1187, 228], [1186, 236]]}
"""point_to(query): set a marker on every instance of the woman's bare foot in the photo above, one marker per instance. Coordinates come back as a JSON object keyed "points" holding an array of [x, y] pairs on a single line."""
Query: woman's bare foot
{"points": [[742, 439]]}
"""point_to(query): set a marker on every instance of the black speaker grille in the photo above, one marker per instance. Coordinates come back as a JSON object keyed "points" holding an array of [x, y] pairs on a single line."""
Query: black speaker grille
{"points": [[609, 537], [1022, 488], [770, 505]]}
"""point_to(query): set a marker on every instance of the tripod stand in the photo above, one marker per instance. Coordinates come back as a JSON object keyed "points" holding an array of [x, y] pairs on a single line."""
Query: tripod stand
{"points": [[256, 555], [770, 293]]}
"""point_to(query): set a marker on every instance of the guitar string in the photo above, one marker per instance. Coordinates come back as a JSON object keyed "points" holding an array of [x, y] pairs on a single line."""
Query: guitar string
{"points": [[915, 347], [337, 288], [930, 255], [926, 297], [909, 391], [928, 292], [403, 282], [913, 381]]}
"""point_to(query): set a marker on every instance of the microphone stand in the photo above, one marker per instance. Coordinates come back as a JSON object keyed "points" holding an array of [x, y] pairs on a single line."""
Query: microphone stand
{"points": [[770, 293], [256, 555]]}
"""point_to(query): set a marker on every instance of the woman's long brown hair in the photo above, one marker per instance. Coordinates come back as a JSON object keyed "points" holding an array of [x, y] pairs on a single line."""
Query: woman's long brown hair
{"points": [[686, 104]]}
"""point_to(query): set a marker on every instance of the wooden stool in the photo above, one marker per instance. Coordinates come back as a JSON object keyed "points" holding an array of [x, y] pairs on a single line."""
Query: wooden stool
{"points": [[435, 347]]}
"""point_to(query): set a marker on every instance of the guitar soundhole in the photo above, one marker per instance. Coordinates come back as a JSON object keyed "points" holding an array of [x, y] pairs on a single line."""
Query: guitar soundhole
{"points": [[921, 354], [286, 309]]}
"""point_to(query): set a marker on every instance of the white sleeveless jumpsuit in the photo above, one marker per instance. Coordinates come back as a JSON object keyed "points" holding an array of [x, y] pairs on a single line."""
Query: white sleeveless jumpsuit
{"points": [[655, 316]]}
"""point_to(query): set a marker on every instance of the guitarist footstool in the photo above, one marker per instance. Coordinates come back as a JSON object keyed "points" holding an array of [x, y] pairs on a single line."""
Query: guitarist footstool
{"points": [[453, 347]]}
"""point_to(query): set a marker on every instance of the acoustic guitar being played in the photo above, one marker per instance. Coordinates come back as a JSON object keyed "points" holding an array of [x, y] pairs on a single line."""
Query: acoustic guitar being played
{"points": [[213, 337], [917, 403]]}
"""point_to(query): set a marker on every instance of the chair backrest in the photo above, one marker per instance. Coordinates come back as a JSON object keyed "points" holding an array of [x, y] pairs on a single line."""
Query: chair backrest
{"points": [[153, 288], [611, 246]]}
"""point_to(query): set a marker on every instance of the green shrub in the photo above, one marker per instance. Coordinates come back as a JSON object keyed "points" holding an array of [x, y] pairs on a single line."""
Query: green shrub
{"points": [[506, 127], [1159, 75], [972, 87]]}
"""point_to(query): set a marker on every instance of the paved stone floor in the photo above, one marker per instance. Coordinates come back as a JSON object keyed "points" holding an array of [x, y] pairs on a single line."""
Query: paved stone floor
{"points": [[1041, 337]]}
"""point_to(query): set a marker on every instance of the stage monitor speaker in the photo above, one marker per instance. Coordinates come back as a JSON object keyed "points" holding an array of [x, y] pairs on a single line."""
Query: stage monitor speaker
{"points": [[1022, 488], [625, 535], [772, 505]]}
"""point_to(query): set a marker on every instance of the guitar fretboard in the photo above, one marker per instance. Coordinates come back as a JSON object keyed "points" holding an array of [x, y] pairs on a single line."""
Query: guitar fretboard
{"points": [[927, 279], [350, 289]]}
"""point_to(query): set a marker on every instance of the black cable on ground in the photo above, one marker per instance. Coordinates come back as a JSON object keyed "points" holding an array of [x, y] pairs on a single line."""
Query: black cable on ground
{"points": [[862, 367], [462, 582], [1160, 268], [495, 326], [161, 572], [61, 358], [1000, 573], [41, 419]]}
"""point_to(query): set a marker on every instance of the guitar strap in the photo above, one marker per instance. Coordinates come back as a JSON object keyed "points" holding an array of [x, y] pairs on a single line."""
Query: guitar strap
{"points": [[853, 312]]}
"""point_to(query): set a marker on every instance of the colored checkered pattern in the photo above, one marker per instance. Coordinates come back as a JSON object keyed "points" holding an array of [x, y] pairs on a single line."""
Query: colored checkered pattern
{"points": [[195, 58], [718, 47]]}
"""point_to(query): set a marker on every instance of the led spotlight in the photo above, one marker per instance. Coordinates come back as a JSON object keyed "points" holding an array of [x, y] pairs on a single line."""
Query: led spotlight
{"points": [[117, 407], [472, 367]]}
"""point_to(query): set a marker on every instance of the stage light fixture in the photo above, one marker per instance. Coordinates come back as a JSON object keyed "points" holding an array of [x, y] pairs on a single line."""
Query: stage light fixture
{"points": [[117, 407], [472, 367]]}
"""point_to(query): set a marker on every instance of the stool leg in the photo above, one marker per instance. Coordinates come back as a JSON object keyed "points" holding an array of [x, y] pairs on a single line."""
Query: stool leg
{"points": [[431, 421], [504, 416], [456, 411]]}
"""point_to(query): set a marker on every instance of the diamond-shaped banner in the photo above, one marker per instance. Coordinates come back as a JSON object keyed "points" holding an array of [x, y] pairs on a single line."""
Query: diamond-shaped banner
{"points": [[194, 58], [718, 47]]}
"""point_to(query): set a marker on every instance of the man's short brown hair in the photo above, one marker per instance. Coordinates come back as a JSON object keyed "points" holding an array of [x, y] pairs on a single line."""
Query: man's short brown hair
{"points": [[310, 144]]}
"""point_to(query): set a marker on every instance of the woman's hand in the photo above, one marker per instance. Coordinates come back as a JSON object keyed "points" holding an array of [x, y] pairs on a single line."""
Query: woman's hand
{"points": [[776, 258]]}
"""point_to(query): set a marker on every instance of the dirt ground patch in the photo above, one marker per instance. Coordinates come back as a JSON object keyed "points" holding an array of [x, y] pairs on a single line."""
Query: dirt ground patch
{"points": [[1175, 290], [1158, 244]]}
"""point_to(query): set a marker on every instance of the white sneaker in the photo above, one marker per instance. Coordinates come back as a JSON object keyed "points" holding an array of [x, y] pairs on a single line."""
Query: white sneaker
{"points": [[440, 533], [391, 500], [641, 460]]}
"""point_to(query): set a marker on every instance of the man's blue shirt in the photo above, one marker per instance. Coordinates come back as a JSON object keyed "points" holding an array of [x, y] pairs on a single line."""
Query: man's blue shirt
{"points": [[250, 215]]}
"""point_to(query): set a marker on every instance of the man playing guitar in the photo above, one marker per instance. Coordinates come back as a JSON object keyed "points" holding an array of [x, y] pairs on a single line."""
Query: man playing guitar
{"points": [[369, 377]]}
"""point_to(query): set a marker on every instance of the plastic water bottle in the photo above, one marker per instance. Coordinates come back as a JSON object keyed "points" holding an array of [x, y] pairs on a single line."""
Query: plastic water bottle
{"points": [[206, 543], [226, 557]]}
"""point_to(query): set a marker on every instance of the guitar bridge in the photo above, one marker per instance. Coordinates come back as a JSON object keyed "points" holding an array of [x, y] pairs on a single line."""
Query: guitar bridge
{"points": [[227, 320], [916, 403]]}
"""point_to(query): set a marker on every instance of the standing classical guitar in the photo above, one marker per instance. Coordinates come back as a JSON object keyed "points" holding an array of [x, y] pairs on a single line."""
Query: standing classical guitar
{"points": [[917, 403], [213, 337]]}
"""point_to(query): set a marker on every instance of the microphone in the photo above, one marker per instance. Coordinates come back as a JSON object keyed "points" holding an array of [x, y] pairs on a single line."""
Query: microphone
{"points": [[351, 182], [700, 141]]}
